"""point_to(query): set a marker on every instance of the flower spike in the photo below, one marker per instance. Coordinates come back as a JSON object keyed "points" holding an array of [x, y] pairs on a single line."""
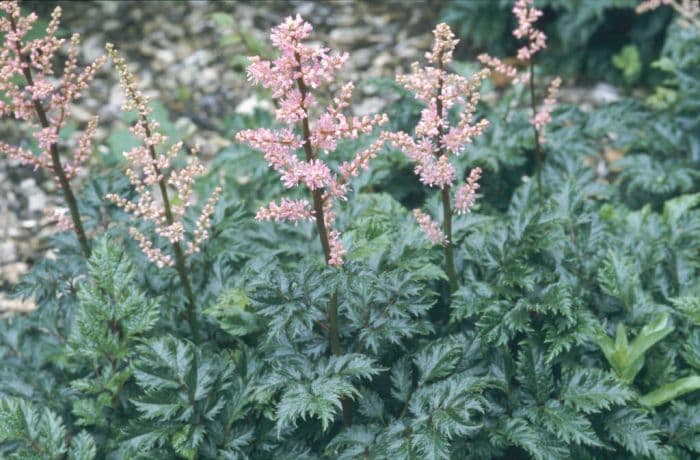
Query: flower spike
{"points": [[32, 92], [292, 76]]}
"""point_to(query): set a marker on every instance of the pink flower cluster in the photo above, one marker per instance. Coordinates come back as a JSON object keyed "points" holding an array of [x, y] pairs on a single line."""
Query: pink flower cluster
{"points": [[649, 5], [33, 93], [527, 15], [440, 91], [292, 210], [299, 68], [544, 116], [499, 66], [430, 227], [465, 197], [148, 170], [60, 217], [436, 139]]}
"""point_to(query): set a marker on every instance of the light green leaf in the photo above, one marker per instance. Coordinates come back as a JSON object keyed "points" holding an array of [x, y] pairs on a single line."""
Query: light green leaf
{"points": [[650, 335], [679, 206], [671, 391], [233, 314]]}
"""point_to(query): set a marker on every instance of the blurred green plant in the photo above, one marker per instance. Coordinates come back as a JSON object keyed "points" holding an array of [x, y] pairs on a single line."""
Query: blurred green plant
{"points": [[583, 36], [629, 63]]}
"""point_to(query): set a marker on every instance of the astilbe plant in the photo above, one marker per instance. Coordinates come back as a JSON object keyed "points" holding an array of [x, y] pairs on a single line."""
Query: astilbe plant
{"points": [[527, 368], [526, 15], [31, 92], [299, 69], [436, 139], [151, 167]]}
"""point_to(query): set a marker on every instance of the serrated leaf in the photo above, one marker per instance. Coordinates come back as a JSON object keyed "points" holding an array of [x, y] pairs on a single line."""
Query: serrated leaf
{"points": [[677, 207], [591, 390], [401, 380], [635, 432], [82, 447], [438, 359]]}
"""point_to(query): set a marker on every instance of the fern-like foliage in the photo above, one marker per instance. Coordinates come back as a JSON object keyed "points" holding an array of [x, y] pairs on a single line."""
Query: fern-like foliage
{"points": [[575, 332], [184, 392], [27, 432]]}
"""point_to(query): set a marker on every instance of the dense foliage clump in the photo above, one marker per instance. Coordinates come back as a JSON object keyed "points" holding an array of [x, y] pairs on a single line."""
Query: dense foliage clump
{"points": [[563, 322]]}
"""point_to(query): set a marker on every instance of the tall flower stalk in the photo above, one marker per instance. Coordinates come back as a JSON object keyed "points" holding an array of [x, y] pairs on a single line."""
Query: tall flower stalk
{"points": [[299, 69], [436, 139], [150, 166], [31, 92], [527, 15]]}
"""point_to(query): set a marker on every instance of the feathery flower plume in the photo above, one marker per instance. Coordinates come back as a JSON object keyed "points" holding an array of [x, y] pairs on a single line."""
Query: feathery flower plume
{"points": [[300, 68], [527, 15], [544, 116], [33, 93], [498, 66], [465, 197], [150, 168], [430, 227], [436, 139]]}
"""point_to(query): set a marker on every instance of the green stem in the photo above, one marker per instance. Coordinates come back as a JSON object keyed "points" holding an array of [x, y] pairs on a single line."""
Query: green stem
{"points": [[332, 309], [538, 146], [63, 181]]}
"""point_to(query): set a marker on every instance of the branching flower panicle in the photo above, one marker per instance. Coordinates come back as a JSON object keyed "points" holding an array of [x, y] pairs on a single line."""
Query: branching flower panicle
{"points": [[32, 92], [465, 197], [430, 227], [527, 15], [21, 58], [544, 115], [150, 167], [300, 68], [436, 138], [536, 40]]}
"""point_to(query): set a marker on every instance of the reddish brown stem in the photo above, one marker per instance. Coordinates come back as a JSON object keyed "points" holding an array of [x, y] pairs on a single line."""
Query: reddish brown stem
{"points": [[447, 229], [538, 146], [56, 164], [180, 264], [446, 208], [332, 310]]}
